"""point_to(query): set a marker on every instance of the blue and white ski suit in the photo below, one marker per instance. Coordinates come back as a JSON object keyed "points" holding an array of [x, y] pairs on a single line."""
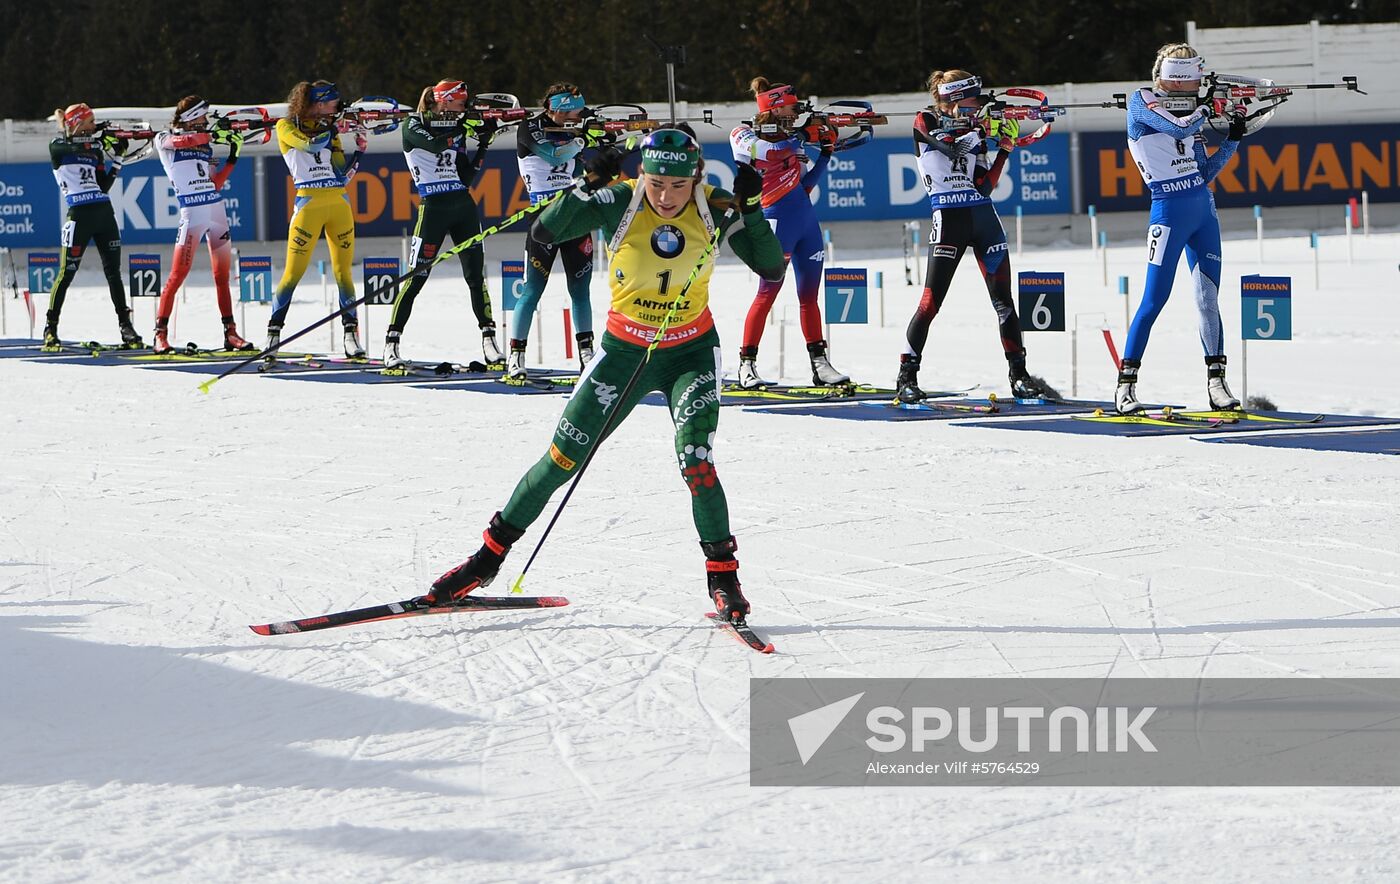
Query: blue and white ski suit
{"points": [[1171, 155]]}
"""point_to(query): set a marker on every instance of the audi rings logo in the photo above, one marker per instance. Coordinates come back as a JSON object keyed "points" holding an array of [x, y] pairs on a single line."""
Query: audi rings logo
{"points": [[667, 241], [569, 431]]}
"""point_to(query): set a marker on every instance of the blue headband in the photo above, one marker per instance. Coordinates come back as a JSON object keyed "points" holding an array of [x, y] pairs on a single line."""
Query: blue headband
{"points": [[565, 102], [328, 92]]}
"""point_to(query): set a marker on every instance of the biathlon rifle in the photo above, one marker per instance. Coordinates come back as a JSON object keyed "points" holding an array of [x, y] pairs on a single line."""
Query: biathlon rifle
{"points": [[253, 122], [996, 107], [836, 115], [125, 129], [1254, 98], [380, 114], [605, 123], [114, 136]]}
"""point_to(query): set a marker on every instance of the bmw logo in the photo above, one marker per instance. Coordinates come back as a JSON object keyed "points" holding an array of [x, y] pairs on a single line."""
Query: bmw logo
{"points": [[667, 241], [1155, 231], [619, 274]]}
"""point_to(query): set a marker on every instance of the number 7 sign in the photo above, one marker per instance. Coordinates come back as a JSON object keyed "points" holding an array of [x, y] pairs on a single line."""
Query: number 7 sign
{"points": [[846, 296]]}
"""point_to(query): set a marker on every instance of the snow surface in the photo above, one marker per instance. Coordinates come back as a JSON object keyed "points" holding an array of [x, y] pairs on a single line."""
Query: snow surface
{"points": [[146, 733]]}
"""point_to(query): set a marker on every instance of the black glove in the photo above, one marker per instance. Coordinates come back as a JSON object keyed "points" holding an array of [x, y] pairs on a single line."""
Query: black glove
{"points": [[1237, 127], [748, 188], [602, 168]]}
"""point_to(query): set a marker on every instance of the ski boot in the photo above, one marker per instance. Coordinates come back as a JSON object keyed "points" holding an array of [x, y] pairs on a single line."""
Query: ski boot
{"points": [[823, 375], [353, 350], [274, 340], [392, 359], [515, 364], [233, 340], [1125, 400], [130, 339], [749, 378], [585, 349], [480, 569], [722, 576], [489, 350], [1221, 399], [51, 342], [906, 386], [160, 345], [1023, 386]]}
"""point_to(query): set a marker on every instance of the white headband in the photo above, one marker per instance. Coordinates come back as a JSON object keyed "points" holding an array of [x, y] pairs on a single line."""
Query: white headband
{"points": [[961, 88], [195, 111], [1175, 70]]}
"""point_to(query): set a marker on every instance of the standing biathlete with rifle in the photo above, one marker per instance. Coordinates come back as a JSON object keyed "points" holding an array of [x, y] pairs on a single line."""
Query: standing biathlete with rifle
{"points": [[435, 148], [547, 149], [780, 155], [658, 228], [85, 172], [1171, 155], [960, 163], [309, 139], [187, 154]]}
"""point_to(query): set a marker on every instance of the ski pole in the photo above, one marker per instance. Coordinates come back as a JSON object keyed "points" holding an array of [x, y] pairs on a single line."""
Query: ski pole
{"points": [[730, 216], [466, 244]]}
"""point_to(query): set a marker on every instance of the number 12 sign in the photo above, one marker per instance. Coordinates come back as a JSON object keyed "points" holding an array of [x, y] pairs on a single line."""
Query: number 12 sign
{"points": [[1266, 308]]}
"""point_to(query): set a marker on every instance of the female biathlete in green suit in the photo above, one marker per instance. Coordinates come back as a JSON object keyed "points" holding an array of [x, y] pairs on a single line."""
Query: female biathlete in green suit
{"points": [[658, 227], [435, 147]]}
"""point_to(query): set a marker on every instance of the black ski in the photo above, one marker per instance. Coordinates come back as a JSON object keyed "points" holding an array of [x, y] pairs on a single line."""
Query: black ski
{"points": [[409, 608], [741, 630]]}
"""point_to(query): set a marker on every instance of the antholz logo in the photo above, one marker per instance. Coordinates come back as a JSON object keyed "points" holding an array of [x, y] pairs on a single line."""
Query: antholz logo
{"points": [[979, 729]]}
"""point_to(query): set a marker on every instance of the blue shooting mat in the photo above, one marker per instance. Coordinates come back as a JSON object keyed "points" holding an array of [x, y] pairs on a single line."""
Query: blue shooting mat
{"points": [[204, 363], [499, 387], [1384, 440], [930, 411], [369, 375], [1088, 426], [30, 350]]}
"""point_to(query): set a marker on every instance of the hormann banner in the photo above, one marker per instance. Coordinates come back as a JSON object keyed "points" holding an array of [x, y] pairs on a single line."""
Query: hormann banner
{"points": [[1074, 732], [31, 210], [1276, 166], [880, 180]]}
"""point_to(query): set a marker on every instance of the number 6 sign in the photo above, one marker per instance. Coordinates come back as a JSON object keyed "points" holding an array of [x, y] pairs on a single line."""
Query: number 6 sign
{"points": [[1042, 301]]}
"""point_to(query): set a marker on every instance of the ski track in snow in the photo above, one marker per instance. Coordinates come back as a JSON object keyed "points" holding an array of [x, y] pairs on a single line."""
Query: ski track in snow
{"points": [[148, 734]]}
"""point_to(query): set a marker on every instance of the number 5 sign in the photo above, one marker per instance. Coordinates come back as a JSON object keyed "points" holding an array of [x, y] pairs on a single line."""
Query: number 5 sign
{"points": [[1266, 308], [1042, 301], [846, 296]]}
